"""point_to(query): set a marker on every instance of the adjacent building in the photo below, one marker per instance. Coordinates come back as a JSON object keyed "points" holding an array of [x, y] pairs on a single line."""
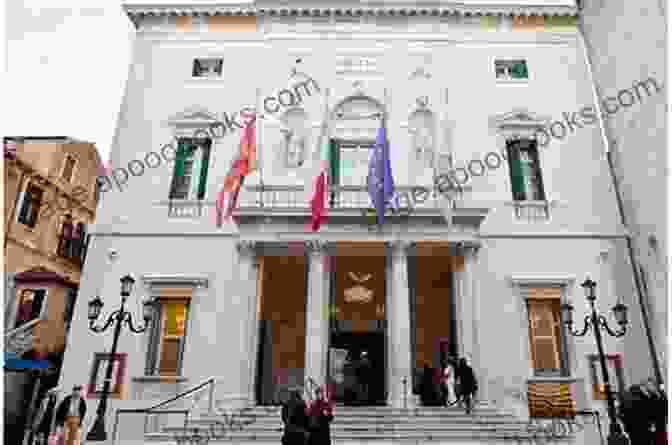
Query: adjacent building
{"points": [[50, 201], [262, 304]]}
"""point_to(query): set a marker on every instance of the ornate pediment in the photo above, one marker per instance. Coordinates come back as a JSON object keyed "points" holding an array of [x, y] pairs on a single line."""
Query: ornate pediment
{"points": [[519, 117], [193, 116]]}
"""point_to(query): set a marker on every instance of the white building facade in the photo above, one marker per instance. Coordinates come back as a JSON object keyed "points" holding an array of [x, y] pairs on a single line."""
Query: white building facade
{"points": [[265, 303]]}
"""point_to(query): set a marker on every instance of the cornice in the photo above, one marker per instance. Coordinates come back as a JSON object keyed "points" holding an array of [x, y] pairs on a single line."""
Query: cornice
{"points": [[324, 9]]}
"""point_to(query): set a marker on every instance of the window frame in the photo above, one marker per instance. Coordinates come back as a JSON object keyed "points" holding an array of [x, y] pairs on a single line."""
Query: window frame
{"points": [[219, 68], [535, 167], [205, 145], [17, 303], [562, 349], [27, 197], [508, 63], [521, 285], [154, 346], [72, 171]]}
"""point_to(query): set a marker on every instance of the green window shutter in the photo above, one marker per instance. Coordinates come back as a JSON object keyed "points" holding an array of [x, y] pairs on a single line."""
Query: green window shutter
{"points": [[334, 162], [517, 174], [203, 179], [519, 70], [183, 152]]}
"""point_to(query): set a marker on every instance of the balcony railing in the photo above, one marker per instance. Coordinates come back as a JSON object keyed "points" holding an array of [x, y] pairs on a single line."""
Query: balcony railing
{"points": [[531, 210], [297, 197]]}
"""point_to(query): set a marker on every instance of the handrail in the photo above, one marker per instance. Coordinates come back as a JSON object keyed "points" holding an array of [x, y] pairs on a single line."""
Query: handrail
{"points": [[145, 411], [23, 327], [211, 380]]}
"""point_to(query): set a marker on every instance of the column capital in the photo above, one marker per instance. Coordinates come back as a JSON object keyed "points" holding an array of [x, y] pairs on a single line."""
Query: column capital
{"points": [[469, 250], [246, 247], [316, 247], [399, 246]]}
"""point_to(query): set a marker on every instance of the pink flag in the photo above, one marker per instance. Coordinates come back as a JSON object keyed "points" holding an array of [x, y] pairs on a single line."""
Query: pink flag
{"points": [[317, 203]]}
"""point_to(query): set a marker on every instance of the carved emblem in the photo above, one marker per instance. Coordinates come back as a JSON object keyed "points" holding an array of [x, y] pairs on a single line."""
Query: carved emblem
{"points": [[358, 294]]}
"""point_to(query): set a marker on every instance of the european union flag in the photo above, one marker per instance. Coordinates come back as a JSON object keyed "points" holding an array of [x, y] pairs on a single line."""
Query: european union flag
{"points": [[379, 180]]}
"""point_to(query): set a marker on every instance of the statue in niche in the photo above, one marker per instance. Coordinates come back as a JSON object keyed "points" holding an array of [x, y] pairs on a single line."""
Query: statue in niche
{"points": [[294, 148], [423, 145]]}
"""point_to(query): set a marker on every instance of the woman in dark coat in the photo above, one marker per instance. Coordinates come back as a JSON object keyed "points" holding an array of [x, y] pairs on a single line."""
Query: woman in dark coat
{"points": [[467, 385], [295, 420], [320, 416], [429, 387]]}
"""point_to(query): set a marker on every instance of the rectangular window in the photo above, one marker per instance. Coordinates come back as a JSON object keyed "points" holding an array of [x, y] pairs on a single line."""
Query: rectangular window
{"points": [[68, 168], [511, 70], [190, 174], [207, 68], [547, 339], [167, 338], [30, 207], [525, 171], [31, 305]]}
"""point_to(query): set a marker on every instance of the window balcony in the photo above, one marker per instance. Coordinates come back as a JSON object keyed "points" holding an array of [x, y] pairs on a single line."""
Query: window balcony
{"points": [[531, 211], [292, 198]]}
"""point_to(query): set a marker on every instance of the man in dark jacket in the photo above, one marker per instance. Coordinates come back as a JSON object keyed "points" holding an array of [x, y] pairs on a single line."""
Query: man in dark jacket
{"points": [[295, 420], [364, 378], [467, 384], [70, 415]]}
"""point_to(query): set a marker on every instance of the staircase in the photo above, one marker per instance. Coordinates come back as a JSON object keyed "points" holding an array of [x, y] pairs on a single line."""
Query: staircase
{"points": [[356, 425]]}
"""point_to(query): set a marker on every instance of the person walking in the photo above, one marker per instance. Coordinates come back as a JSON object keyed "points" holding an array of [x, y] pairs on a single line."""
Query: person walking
{"points": [[70, 415], [467, 384], [428, 388], [448, 382], [295, 420], [320, 416]]}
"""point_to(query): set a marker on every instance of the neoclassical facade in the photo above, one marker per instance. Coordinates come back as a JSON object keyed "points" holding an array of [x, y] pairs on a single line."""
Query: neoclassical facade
{"points": [[263, 304]]}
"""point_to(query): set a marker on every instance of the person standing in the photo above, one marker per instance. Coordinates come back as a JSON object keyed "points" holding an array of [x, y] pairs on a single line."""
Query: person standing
{"points": [[70, 415], [295, 420], [635, 414], [321, 415], [364, 378], [448, 382], [467, 384]]}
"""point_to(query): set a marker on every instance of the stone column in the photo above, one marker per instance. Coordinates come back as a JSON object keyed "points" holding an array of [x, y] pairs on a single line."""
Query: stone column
{"points": [[317, 324], [398, 312], [469, 315], [247, 274]]}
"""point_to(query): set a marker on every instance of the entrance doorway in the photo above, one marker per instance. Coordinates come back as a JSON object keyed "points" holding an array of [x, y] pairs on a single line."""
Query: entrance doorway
{"points": [[355, 346], [282, 312], [357, 326]]}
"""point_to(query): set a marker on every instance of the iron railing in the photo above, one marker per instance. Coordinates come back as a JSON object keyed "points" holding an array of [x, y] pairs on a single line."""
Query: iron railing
{"points": [[297, 197]]}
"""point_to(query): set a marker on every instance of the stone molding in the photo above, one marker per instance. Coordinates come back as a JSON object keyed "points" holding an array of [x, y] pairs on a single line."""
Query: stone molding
{"points": [[158, 280], [332, 8], [246, 247], [400, 247]]}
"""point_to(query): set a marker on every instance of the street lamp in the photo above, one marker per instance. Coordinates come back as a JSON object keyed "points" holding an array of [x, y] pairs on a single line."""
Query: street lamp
{"points": [[97, 432], [596, 321]]}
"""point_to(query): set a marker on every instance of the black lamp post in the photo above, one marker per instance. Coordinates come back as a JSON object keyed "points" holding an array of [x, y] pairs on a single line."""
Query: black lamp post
{"points": [[596, 321], [97, 433]]}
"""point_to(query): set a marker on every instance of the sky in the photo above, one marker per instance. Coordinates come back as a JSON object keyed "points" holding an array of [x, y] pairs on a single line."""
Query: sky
{"points": [[65, 68]]}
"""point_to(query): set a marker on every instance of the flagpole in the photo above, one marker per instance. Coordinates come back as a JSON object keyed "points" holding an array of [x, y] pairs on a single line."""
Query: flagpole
{"points": [[260, 148]]}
